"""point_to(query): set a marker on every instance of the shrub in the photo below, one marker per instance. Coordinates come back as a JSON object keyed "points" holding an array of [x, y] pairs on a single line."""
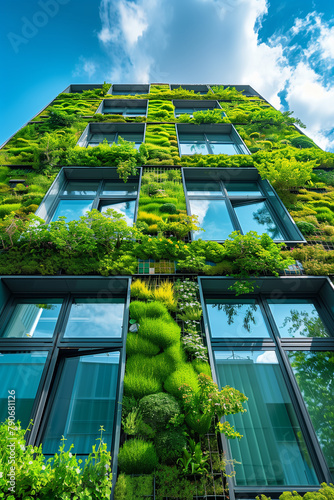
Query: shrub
{"points": [[140, 290], [306, 227], [137, 457], [169, 445], [168, 208], [140, 384], [133, 488], [157, 309], [184, 375], [158, 409], [302, 141], [160, 332], [148, 218], [158, 367], [136, 344], [176, 352], [201, 367], [137, 309], [165, 294]]}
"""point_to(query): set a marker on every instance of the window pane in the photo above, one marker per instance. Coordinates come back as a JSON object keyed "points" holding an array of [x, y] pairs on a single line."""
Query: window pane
{"points": [[223, 149], [314, 372], [114, 110], [72, 209], [120, 189], [221, 138], [297, 318], [82, 188], [236, 318], [85, 400], [126, 208], [193, 148], [243, 189], [272, 450], [192, 137], [95, 318], [201, 188], [135, 111], [138, 138], [256, 217], [22, 373], [213, 216], [33, 319], [101, 137]]}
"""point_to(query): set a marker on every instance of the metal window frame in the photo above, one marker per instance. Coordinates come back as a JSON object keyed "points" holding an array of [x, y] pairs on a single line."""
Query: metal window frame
{"points": [[318, 287], [57, 349], [110, 127], [288, 228], [50, 202], [134, 88], [212, 128], [123, 103]]}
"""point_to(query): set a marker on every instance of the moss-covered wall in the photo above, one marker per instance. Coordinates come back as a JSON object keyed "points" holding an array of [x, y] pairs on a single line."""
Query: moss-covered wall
{"points": [[297, 168]]}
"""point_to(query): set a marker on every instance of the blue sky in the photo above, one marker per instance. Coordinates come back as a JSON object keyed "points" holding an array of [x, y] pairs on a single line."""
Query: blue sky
{"points": [[284, 49]]}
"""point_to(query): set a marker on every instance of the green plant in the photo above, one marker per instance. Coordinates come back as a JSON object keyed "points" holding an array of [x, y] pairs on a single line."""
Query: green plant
{"points": [[136, 344], [140, 290], [132, 422], [139, 385], [133, 488], [193, 461], [159, 331], [208, 402], [185, 374], [137, 457], [60, 477], [168, 208], [306, 228], [169, 445], [158, 409], [165, 294], [326, 492]]}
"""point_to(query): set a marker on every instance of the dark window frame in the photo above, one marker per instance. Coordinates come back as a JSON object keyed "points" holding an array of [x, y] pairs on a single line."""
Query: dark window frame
{"points": [[102, 175], [222, 176], [111, 128], [58, 348], [126, 104], [322, 291]]}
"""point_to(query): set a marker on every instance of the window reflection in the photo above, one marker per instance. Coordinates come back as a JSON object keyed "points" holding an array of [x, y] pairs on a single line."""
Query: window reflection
{"points": [[95, 318], [236, 318], [314, 372], [256, 217], [213, 217], [272, 450], [85, 400], [21, 372], [297, 318], [33, 319]]}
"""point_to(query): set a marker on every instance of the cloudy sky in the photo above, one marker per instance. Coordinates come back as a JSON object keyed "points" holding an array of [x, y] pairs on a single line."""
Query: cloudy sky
{"points": [[284, 49]]}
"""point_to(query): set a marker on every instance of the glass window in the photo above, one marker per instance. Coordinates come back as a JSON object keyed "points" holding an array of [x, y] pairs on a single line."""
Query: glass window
{"points": [[120, 188], [20, 372], [72, 209], [33, 319], [95, 318], [236, 318], [81, 188], [238, 213], [126, 208], [203, 188], [213, 217], [85, 399], [255, 216], [297, 318], [272, 451], [314, 372], [236, 188], [208, 143]]}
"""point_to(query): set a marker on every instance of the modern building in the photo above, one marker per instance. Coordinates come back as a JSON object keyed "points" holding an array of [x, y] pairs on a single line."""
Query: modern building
{"points": [[220, 153]]}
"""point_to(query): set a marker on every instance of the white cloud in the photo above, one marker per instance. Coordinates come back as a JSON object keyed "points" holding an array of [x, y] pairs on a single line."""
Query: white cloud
{"points": [[85, 68], [216, 41]]}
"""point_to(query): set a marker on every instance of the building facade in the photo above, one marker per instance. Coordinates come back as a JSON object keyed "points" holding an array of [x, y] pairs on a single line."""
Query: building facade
{"points": [[204, 217]]}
